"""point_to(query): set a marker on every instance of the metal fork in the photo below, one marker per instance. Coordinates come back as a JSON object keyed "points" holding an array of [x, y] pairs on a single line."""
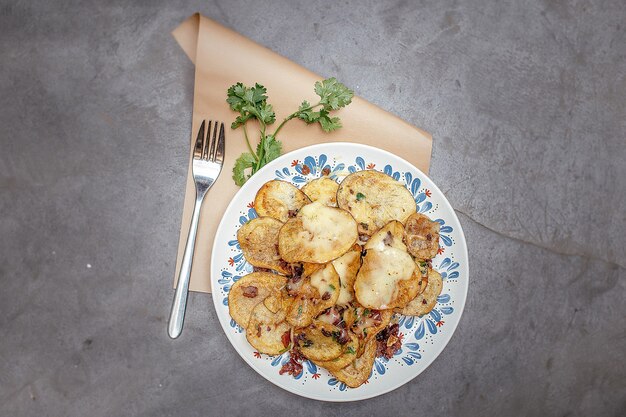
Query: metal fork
{"points": [[208, 157]]}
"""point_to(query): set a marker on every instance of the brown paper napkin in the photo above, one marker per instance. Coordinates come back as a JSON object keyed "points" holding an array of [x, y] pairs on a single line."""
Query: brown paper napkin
{"points": [[222, 58]]}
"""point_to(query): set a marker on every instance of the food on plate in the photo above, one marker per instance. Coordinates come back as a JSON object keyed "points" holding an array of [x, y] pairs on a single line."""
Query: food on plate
{"points": [[310, 295], [359, 370], [317, 234], [280, 200], [323, 190], [421, 236], [266, 329], [425, 301], [374, 199], [249, 291], [347, 266], [346, 260], [258, 240]]}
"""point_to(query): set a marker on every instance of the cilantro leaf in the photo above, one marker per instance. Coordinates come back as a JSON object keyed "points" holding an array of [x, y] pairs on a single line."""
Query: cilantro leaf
{"points": [[251, 103], [333, 94], [244, 162]]}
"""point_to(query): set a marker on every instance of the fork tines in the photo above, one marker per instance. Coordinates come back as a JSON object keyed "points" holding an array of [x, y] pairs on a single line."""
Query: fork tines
{"points": [[210, 147]]}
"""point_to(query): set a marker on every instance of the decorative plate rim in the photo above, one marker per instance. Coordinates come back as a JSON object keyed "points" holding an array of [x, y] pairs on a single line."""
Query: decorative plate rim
{"points": [[327, 148]]}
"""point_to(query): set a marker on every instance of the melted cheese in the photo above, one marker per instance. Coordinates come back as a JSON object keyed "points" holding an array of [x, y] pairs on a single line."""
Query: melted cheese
{"points": [[377, 282], [326, 229], [343, 267], [321, 280]]}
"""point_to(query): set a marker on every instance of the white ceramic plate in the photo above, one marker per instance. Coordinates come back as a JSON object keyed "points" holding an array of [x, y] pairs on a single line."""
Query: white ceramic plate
{"points": [[423, 338]]}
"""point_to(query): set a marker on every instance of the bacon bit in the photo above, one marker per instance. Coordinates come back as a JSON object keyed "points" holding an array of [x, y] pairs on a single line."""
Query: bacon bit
{"points": [[388, 240], [375, 315], [286, 338], [388, 341], [294, 365], [351, 191], [250, 291], [326, 171], [268, 328], [424, 301], [258, 330], [326, 333], [326, 296], [429, 237], [292, 213], [306, 170]]}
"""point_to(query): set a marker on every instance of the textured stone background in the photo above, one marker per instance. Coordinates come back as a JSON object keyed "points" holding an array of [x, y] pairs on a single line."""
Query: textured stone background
{"points": [[526, 101]]}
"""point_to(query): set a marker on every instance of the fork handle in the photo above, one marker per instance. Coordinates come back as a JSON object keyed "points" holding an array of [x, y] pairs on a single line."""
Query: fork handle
{"points": [[177, 315]]}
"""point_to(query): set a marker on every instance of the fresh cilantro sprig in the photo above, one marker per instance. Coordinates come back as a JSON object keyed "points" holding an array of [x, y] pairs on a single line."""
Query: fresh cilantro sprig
{"points": [[251, 103]]}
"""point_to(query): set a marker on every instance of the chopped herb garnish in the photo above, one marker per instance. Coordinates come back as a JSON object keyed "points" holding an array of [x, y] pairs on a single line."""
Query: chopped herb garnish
{"points": [[332, 287], [350, 350], [307, 343], [299, 311], [366, 312], [360, 196]]}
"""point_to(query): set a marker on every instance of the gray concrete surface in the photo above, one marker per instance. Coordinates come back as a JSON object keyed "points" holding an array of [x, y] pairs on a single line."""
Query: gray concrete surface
{"points": [[526, 101]]}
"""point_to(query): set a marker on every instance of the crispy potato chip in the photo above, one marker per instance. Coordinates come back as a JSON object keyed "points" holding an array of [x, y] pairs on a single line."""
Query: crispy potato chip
{"points": [[249, 291], [323, 190], [347, 356], [259, 243], [355, 374], [347, 266], [317, 293], [425, 301], [280, 200], [319, 341], [366, 323], [374, 199], [318, 234], [266, 329], [390, 234], [386, 279], [421, 236]]}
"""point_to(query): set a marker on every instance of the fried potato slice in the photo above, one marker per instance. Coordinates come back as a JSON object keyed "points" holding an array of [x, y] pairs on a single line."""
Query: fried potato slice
{"points": [[280, 200], [427, 300], [259, 243], [390, 234], [317, 293], [421, 236], [347, 356], [366, 323], [386, 279], [249, 291], [318, 234], [374, 199], [355, 374], [318, 342], [347, 266], [266, 330], [323, 190]]}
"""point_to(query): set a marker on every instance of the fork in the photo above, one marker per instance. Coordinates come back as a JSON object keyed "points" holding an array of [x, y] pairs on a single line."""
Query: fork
{"points": [[208, 157]]}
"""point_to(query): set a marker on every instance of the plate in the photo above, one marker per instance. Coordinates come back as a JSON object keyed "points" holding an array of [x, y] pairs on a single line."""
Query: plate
{"points": [[423, 338]]}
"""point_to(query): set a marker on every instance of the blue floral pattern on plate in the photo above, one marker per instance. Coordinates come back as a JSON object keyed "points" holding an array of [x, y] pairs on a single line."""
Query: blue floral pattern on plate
{"points": [[418, 333]]}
